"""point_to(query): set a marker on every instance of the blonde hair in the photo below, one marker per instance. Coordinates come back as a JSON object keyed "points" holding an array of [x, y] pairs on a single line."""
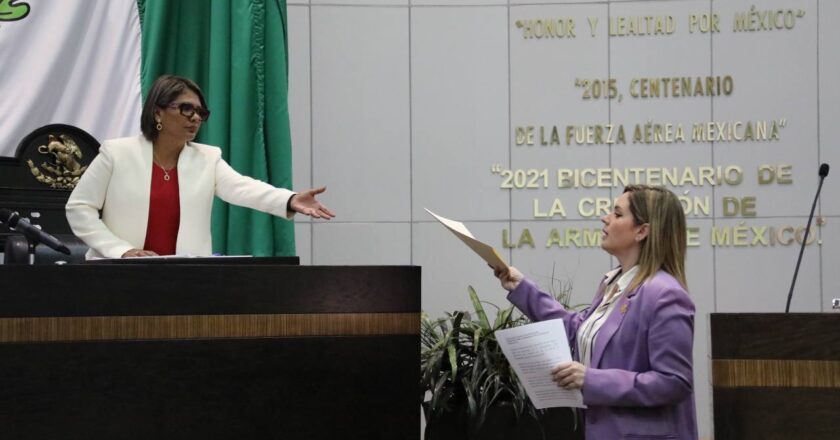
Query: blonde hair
{"points": [[665, 245]]}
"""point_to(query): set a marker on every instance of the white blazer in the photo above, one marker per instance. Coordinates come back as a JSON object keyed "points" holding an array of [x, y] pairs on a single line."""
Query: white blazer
{"points": [[118, 183]]}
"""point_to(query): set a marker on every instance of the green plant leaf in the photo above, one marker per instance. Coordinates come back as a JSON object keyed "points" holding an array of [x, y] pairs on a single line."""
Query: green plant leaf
{"points": [[431, 369], [453, 360], [503, 318], [479, 309], [476, 337], [438, 396], [463, 366], [472, 407]]}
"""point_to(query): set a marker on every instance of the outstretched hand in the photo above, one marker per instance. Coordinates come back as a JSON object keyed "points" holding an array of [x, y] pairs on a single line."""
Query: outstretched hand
{"points": [[509, 277], [305, 203]]}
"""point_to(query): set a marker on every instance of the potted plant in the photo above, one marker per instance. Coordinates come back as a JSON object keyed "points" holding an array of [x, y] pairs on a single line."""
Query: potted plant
{"points": [[469, 390]]}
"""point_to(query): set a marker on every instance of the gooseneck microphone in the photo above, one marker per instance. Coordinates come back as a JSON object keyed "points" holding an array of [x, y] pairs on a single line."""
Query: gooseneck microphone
{"points": [[823, 172], [14, 221]]}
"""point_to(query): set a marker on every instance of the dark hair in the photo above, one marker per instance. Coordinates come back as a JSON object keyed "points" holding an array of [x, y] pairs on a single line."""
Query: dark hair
{"points": [[164, 91]]}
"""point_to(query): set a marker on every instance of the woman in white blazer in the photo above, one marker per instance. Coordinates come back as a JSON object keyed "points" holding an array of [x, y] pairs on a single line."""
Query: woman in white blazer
{"points": [[156, 191]]}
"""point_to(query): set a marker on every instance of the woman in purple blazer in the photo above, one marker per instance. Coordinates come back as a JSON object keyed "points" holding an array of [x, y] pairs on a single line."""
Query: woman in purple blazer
{"points": [[633, 345]]}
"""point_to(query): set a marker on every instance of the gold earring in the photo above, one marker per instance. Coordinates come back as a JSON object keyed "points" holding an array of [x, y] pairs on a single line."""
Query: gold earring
{"points": [[159, 126]]}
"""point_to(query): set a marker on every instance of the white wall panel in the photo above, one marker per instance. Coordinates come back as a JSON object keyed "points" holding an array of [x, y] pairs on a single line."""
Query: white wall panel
{"points": [[300, 111], [459, 111], [449, 267], [303, 242], [360, 111], [829, 96], [681, 54], [363, 3], [361, 243], [538, 2], [770, 69], [543, 94], [700, 271], [757, 279], [418, 4]]}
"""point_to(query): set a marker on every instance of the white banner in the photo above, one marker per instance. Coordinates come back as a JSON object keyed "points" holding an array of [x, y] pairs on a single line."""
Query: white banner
{"points": [[73, 62]]}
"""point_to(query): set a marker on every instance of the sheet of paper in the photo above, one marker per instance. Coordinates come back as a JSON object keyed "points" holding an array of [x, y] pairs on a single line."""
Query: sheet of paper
{"points": [[485, 251], [533, 350]]}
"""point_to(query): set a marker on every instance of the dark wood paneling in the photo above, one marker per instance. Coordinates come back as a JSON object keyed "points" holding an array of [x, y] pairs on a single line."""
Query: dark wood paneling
{"points": [[735, 373], [776, 376], [792, 336], [104, 328], [220, 371], [159, 289], [272, 388], [776, 414]]}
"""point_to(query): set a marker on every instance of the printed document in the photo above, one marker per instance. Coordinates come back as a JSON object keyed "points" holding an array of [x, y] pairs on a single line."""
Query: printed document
{"points": [[485, 251], [533, 350]]}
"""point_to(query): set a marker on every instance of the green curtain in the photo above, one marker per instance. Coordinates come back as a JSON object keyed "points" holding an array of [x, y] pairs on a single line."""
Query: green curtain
{"points": [[236, 51]]}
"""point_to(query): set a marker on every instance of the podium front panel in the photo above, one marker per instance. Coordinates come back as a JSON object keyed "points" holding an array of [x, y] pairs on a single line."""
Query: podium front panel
{"points": [[197, 351], [776, 376]]}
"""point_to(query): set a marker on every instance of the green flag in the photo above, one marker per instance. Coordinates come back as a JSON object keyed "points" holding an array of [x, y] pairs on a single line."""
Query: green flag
{"points": [[236, 51]]}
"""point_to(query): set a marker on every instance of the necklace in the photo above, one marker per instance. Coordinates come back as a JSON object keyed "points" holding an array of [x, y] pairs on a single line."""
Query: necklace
{"points": [[165, 171]]}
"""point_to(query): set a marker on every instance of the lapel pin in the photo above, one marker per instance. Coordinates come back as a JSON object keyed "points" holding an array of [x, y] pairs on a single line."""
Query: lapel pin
{"points": [[623, 308]]}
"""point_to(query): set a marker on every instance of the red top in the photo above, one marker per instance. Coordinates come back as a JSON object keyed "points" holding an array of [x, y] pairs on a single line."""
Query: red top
{"points": [[164, 212]]}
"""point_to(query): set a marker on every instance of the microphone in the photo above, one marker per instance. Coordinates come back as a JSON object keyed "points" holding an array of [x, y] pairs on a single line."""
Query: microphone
{"points": [[14, 221], [822, 172]]}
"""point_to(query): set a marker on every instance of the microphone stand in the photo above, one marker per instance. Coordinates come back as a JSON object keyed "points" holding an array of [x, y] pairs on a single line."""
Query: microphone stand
{"points": [[31, 243], [804, 241], [32, 233], [31, 252]]}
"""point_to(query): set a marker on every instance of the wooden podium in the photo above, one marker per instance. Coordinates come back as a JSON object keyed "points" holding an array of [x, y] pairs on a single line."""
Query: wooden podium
{"points": [[776, 376], [241, 350]]}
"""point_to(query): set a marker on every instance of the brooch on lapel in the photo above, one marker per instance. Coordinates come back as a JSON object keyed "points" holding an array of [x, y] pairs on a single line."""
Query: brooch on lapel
{"points": [[623, 308]]}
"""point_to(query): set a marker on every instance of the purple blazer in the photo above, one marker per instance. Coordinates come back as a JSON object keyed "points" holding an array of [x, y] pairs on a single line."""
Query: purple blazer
{"points": [[640, 383]]}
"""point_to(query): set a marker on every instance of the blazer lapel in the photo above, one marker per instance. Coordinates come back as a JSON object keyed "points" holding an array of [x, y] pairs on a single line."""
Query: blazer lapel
{"points": [[142, 217], [187, 173], [147, 157], [610, 326], [187, 169], [599, 295]]}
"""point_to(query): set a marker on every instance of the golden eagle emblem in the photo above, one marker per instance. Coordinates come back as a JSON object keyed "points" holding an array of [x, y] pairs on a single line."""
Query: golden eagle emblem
{"points": [[62, 169]]}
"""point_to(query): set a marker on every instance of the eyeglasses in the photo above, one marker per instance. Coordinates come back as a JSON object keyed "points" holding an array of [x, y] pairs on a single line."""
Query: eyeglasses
{"points": [[188, 110]]}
